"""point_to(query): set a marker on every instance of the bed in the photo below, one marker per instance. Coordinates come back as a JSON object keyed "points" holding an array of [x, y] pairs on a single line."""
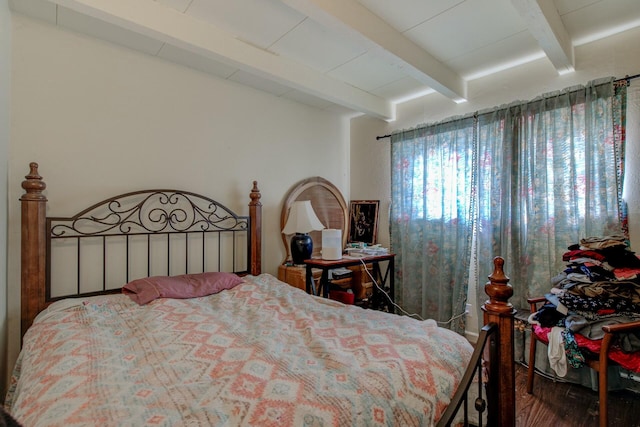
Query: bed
{"points": [[164, 317]]}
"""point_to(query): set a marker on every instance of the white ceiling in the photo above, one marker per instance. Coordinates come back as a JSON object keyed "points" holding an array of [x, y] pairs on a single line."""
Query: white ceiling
{"points": [[359, 56]]}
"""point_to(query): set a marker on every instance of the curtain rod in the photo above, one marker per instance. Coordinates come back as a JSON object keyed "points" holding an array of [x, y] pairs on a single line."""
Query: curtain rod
{"points": [[624, 79], [627, 78]]}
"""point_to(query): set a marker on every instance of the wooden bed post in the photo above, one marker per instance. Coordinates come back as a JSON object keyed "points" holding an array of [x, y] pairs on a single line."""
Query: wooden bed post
{"points": [[501, 387], [33, 247], [255, 212]]}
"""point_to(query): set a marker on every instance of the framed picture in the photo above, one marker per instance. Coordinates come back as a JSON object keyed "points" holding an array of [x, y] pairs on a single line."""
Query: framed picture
{"points": [[363, 221]]}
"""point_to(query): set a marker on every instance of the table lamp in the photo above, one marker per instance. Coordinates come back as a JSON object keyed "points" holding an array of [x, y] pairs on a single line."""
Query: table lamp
{"points": [[302, 219]]}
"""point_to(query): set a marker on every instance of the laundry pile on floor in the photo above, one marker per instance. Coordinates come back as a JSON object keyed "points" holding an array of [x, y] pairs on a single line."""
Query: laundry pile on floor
{"points": [[600, 286]]}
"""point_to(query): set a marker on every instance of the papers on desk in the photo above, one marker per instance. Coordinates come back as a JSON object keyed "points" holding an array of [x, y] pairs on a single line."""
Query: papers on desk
{"points": [[367, 251], [354, 256]]}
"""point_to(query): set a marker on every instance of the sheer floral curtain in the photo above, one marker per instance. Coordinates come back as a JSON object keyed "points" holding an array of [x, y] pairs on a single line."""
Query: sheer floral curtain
{"points": [[524, 180], [431, 218], [550, 173]]}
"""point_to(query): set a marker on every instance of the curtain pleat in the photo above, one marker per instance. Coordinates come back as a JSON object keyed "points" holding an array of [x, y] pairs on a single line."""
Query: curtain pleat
{"points": [[431, 219]]}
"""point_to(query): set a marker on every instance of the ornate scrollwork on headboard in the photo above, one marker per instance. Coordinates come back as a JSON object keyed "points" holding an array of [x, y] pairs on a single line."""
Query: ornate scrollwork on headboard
{"points": [[151, 211]]}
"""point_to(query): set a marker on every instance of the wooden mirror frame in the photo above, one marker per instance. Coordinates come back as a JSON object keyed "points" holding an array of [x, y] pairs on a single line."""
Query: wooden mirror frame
{"points": [[328, 204]]}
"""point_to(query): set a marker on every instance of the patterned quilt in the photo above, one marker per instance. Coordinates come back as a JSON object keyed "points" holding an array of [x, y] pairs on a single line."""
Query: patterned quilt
{"points": [[261, 354]]}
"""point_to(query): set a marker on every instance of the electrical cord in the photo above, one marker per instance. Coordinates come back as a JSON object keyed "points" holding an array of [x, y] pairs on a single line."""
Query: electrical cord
{"points": [[457, 316], [414, 315], [375, 283]]}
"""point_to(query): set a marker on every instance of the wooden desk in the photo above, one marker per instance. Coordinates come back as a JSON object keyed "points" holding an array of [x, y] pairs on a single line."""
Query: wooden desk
{"points": [[326, 265]]}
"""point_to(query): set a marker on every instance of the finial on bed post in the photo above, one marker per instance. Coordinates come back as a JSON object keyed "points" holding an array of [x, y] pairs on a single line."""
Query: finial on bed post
{"points": [[33, 247], [33, 184], [498, 309], [255, 213]]}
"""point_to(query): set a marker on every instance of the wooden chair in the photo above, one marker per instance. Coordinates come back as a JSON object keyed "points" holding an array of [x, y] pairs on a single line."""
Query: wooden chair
{"points": [[596, 361]]}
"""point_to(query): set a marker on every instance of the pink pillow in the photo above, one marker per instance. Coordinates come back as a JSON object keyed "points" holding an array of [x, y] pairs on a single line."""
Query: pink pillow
{"points": [[147, 289]]}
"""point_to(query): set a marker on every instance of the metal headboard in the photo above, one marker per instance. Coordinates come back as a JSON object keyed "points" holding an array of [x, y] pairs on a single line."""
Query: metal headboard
{"points": [[175, 222]]}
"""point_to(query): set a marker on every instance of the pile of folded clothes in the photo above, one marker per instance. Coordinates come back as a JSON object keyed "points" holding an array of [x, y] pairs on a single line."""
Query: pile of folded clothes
{"points": [[600, 286]]}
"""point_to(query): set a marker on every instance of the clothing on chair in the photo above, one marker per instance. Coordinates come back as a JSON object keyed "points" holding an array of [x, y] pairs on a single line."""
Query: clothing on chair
{"points": [[555, 349]]}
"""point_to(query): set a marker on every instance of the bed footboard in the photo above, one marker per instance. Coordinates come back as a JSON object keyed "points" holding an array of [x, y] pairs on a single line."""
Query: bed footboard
{"points": [[501, 368], [494, 355]]}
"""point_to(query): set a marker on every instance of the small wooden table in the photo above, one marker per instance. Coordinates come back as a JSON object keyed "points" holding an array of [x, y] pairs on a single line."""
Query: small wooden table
{"points": [[347, 261]]}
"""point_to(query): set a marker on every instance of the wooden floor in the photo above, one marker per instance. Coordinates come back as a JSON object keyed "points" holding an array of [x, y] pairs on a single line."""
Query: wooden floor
{"points": [[561, 404]]}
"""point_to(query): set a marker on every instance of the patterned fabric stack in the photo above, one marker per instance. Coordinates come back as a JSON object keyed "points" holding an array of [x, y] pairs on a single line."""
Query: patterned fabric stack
{"points": [[600, 286]]}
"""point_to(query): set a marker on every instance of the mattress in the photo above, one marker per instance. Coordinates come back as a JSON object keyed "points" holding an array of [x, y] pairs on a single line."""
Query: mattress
{"points": [[262, 353]]}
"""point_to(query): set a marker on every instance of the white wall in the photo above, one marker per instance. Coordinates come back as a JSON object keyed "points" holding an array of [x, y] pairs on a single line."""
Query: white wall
{"points": [[370, 163], [616, 56], [5, 82], [102, 119]]}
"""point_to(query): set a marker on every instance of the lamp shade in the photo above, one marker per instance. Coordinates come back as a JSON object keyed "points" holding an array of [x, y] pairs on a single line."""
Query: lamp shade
{"points": [[302, 218]]}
